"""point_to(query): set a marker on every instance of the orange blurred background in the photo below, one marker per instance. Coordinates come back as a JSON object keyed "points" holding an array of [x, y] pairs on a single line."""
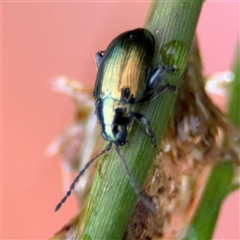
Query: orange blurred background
{"points": [[41, 40]]}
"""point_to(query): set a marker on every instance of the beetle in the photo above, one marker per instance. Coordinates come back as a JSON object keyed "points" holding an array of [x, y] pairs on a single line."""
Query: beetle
{"points": [[124, 80]]}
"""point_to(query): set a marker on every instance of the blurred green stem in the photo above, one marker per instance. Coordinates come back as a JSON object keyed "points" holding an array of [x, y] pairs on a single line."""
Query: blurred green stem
{"points": [[234, 101], [219, 185]]}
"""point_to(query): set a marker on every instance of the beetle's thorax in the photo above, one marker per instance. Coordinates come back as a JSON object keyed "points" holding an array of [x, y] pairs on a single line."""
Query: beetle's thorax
{"points": [[114, 116]]}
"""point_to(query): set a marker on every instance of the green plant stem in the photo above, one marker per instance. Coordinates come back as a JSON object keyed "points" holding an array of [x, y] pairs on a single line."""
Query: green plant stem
{"points": [[219, 185], [112, 198]]}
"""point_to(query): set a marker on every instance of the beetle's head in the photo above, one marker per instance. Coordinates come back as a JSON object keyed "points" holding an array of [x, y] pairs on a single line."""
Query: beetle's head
{"points": [[116, 134]]}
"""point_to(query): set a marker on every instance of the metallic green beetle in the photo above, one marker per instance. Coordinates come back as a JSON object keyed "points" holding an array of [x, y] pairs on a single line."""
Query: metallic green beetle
{"points": [[123, 80]]}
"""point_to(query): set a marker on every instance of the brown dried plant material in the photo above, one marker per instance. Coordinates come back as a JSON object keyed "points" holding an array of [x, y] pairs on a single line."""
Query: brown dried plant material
{"points": [[217, 87], [71, 229], [197, 137]]}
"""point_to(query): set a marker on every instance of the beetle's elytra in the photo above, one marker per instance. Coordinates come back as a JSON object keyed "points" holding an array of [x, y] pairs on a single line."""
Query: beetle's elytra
{"points": [[123, 80]]}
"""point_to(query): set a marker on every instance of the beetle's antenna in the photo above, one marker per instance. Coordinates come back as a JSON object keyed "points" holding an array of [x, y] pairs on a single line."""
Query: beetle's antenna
{"points": [[106, 149], [134, 184]]}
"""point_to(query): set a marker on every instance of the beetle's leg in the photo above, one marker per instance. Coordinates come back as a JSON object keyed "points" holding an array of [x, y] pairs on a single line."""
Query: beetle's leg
{"points": [[142, 119], [98, 58], [152, 95], [156, 76]]}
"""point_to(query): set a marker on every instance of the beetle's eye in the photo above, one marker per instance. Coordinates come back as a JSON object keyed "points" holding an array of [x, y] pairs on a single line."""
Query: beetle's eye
{"points": [[121, 138], [121, 143], [132, 36]]}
